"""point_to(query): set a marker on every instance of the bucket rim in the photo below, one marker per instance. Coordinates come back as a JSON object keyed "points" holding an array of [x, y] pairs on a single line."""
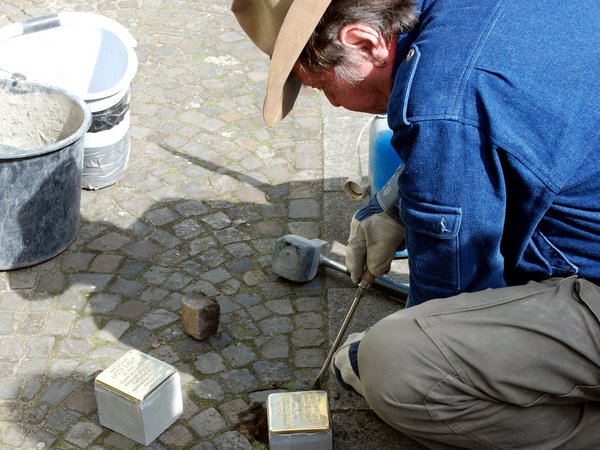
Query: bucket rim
{"points": [[102, 104], [89, 21], [107, 24], [63, 143]]}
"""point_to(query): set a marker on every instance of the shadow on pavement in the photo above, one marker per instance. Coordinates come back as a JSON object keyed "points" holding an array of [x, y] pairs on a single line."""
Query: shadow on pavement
{"points": [[120, 285]]}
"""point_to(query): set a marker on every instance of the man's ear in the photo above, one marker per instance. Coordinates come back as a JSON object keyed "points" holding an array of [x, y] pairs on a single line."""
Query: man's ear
{"points": [[365, 39]]}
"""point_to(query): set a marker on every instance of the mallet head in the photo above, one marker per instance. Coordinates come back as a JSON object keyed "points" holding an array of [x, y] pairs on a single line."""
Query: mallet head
{"points": [[296, 258]]}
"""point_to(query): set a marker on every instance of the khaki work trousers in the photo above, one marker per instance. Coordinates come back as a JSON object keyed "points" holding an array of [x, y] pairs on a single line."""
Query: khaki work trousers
{"points": [[516, 367]]}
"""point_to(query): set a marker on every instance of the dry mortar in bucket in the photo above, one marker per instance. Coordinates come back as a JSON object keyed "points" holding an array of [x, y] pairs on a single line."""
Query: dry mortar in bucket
{"points": [[93, 57], [41, 155]]}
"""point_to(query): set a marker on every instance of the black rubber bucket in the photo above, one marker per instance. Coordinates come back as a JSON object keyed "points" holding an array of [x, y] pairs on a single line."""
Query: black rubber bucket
{"points": [[41, 160]]}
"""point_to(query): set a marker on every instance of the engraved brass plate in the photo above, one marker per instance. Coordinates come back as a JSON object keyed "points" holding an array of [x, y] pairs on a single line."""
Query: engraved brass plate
{"points": [[298, 412], [135, 375]]}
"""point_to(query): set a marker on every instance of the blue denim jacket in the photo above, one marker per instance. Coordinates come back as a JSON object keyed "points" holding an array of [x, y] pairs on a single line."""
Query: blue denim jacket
{"points": [[495, 111]]}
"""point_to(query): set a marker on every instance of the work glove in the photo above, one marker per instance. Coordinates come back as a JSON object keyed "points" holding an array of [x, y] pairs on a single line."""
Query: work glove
{"points": [[374, 239]]}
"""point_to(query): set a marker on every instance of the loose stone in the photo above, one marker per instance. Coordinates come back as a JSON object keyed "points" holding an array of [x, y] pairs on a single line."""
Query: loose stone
{"points": [[200, 316]]}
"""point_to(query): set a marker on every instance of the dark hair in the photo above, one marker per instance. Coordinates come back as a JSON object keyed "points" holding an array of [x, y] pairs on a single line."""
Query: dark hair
{"points": [[323, 50]]}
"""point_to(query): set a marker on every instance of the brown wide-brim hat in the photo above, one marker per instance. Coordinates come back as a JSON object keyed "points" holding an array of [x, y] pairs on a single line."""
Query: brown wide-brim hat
{"points": [[281, 29]]}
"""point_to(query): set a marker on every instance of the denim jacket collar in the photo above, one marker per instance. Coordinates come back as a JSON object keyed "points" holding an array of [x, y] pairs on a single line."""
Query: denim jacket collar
{"points": [[405, 40]]}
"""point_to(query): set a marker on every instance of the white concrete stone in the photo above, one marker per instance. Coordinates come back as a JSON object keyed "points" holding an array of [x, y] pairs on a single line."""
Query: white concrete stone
{"points": [[140, 420]]}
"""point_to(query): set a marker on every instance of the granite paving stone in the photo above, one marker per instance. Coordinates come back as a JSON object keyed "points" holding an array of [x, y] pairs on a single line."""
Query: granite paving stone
{"points": [[239, 355], [216, 275], [57, 392], [281, 306], [259, 312], [233, 440], [62, 368], [13, 435], [105, 263], [131, 309], [242, 329], [208, 389], [309, 357], [52, 283], [209, 363], [206, 192], [10, 301], [308, 320], [77, 260], [61, 419], [108, 242], [307, 338], [212, 258], [232, 409], [32, 367], [276, 325], [10, 413], [308, 304], [206, 445], [82, 401], [88, 282], [275, 347], [126, 287], [40, 439], [9, 388], [30, 389], [74, 347], [247, 300], [158, 318], [119, 442], [241, 265], [177, 436], [255, 277], [37, 346], [208, 422], [24, 280], [238, 380], [83, 434], [113, 330], [7, 322], [39, 415], [273, 371]]}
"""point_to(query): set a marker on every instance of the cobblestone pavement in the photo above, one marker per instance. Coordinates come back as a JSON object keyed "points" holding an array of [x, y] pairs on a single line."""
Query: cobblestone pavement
{"points": [[208, 190]]}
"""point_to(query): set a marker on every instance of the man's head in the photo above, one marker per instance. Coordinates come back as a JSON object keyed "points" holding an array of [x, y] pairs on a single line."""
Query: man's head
{"points": [[350, 43]]}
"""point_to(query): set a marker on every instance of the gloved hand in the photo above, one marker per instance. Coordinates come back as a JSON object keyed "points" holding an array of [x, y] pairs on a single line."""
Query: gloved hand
{"points": [[374, 238]]}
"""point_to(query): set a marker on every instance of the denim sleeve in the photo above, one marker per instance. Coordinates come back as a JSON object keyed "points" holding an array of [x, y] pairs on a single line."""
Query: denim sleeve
{"points": [[452, 202]]}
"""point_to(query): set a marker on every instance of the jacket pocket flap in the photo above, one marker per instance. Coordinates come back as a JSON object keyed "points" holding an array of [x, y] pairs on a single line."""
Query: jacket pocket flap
{"points": [[442, 222]]}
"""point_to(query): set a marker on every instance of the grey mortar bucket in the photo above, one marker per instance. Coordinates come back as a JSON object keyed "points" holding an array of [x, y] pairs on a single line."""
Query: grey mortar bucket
{"points": [[41, 160], [93, 57]]}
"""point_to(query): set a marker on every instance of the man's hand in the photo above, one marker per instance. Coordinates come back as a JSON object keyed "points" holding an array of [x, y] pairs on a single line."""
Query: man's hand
{"points": [[374, 239]]}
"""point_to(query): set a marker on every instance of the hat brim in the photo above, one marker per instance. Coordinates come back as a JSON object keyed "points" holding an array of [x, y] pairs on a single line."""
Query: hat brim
{"points": [[283, 86]]}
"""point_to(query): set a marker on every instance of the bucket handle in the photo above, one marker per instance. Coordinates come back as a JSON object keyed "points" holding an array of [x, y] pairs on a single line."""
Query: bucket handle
{"points": [[29, 26], [40, 23], [65, 18]]}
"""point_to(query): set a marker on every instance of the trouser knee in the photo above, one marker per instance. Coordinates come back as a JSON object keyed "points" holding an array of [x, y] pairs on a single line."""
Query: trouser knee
{"points": [[399, 365], [388, 357]]}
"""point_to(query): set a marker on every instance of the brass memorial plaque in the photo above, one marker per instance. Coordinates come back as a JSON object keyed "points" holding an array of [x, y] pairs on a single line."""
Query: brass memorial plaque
{"points": [[135, 375], [295, 412]]}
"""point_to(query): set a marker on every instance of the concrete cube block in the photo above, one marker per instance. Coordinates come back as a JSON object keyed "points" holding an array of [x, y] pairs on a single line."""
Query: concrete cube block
{"points": [[138, 396], [200, 316], [299, 420]]}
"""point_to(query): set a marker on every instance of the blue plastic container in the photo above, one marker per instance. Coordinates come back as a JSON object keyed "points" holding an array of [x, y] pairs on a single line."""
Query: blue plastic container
{"points": [[383, 159]]}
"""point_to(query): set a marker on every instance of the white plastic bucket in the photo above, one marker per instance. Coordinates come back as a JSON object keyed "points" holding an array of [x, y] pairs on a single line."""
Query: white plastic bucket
{"points": [[92, 57]]}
